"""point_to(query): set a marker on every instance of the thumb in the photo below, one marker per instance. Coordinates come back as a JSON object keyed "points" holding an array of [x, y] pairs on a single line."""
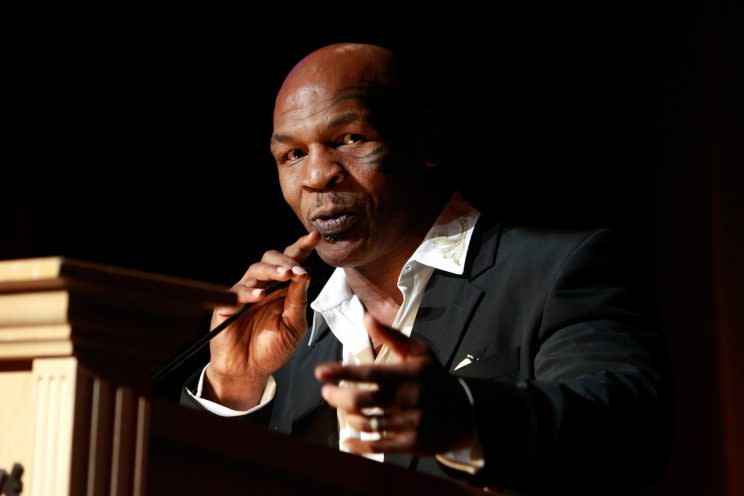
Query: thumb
{"points": [[395, 340]]}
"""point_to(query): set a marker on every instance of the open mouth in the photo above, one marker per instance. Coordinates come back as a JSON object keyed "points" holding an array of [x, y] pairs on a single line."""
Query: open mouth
{"points": [[334, 225]]}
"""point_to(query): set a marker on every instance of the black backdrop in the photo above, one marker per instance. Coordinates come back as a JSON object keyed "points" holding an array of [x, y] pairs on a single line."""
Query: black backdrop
{"points": [[148, 148], [141, 139]]}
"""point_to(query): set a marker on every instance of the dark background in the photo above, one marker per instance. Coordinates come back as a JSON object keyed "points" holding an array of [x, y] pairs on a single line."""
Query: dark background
{"points": [[149, 148], [142, 141]]}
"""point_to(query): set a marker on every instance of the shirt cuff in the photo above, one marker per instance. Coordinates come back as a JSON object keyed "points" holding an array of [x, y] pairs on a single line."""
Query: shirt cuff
{"points": [[223, 411], [469, 459]]}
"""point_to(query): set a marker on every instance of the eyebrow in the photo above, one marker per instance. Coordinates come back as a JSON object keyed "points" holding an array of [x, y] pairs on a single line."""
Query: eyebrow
{"points": [[281, 138], [347, 118], [341, 120]]}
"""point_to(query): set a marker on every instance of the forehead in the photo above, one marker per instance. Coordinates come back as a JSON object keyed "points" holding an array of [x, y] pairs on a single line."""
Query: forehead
{"points": [[315, 103]]}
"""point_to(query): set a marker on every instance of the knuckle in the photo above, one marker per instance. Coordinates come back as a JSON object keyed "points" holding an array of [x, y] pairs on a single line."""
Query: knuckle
{"points": [[244, 284], [270, 254]]}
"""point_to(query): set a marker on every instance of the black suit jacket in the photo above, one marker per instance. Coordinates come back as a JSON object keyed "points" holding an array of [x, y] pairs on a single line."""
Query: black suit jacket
{"points": [[569, 394]]}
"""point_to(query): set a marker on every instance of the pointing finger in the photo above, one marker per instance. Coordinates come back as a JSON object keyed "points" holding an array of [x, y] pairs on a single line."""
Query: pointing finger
{"points": [[300, 249], [400, 344]]}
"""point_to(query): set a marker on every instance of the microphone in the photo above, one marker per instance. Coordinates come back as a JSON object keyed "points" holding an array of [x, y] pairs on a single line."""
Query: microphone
{"points": [[177, 362]]}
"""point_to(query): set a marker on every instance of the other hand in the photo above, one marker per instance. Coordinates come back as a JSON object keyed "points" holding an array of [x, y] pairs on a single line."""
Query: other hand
{"points": [[425, 410]]}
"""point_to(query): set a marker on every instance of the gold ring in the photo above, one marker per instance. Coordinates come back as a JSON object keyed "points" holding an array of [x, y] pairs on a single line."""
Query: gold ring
{"points": [[374, 424]]}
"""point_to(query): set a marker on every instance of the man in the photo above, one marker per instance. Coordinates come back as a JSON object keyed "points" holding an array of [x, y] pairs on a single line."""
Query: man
{"points": [[443, 341]]}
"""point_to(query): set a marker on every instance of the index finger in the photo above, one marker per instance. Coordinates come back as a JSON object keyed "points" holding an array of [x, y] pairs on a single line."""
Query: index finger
{"points": [[379, 374], [300, 249]]}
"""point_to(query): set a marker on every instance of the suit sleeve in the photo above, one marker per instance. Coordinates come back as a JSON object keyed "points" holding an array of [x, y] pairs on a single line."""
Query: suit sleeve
{"points": [[595, 415]]}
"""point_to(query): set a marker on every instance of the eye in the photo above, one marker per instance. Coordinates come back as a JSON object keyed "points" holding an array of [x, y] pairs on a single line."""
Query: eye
{"points": [[351, 139], [295, 154]]}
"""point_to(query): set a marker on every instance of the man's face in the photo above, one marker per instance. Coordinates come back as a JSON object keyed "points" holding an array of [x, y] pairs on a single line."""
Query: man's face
{"points": [[339, 173]]}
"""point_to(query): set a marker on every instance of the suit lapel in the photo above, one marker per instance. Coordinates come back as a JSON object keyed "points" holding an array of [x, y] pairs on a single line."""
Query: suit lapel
{"points": [[448, 304], [450, 299], [444, 313], [445, 309]]}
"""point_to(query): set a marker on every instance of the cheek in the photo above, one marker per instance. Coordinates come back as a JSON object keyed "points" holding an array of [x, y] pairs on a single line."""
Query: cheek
{"points": [[291, 189], [291, 186], [375, 182], [367, 174]]}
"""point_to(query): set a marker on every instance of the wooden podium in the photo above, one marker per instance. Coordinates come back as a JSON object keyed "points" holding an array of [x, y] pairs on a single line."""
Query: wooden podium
{"points": [[79, 343]]}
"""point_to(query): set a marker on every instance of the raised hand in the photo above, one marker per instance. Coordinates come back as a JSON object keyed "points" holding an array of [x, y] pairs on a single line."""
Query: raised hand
{"points": [[424, 409], [265, 337]]}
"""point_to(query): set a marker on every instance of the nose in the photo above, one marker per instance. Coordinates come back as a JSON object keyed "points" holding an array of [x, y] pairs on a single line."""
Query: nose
{"points": [[323, 169]]}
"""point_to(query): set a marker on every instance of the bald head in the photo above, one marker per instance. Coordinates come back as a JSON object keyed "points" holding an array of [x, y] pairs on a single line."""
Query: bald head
{"points": [[349, 143], [334, 69], [350, 83]]}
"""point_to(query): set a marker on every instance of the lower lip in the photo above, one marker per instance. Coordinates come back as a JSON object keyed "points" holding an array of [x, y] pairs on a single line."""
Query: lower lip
{"points": [[334, 227]]}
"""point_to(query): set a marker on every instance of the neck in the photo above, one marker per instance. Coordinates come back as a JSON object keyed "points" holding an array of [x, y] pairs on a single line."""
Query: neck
{"points": [[376, 282], [381, 302]]}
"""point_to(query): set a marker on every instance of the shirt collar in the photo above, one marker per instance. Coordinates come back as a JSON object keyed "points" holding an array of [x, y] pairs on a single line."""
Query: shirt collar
{"points": [[444, 247]]}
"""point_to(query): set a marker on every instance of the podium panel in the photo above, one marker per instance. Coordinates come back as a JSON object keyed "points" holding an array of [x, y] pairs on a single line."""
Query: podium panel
{"points": [[79, 344]]}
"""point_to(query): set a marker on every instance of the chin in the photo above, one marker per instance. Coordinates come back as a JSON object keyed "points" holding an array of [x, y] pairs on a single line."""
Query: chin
{"points": [[340, 253]]}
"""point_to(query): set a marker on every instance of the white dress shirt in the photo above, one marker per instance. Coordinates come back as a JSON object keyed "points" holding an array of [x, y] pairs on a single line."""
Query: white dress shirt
{"points": [[444, 248]]}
